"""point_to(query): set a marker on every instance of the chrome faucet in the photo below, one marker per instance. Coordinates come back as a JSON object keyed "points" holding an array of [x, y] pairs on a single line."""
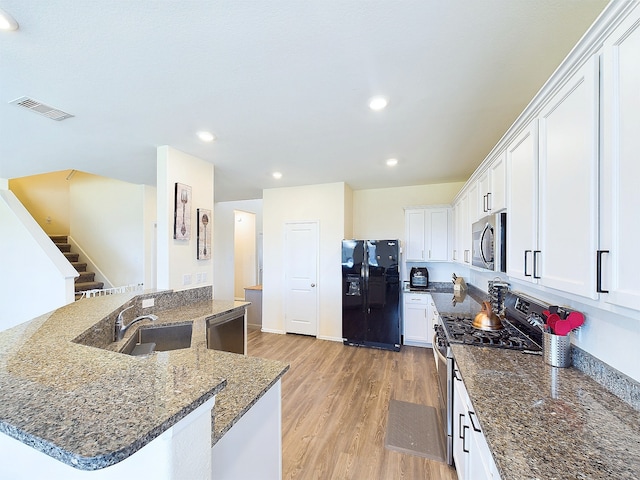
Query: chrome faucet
{"points": [[120, 328]]}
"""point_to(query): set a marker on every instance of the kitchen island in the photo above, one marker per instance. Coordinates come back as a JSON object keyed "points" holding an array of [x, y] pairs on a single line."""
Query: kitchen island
{"points": [[66, 392]]}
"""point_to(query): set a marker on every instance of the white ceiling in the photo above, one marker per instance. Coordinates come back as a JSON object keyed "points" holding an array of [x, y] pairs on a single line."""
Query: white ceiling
{"points": [[283, 84]]}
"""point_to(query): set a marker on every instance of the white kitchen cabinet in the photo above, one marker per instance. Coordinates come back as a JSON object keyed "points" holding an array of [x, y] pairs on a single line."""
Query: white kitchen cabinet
{"points": [[492, 186], [462, 231], [473, 204], [414, 234], [552, 228], [418, 319], [471, 453], [522, 202], [427, 234], [619, 281], [568, 188]]}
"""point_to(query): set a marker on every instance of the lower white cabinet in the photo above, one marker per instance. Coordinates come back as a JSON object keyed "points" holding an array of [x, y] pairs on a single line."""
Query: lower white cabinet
{"points": [[471, 454], [418, 319]]}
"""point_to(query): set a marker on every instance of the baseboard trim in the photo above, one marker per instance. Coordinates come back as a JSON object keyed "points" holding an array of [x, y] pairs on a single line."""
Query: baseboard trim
{"points": [[332, 339], [272, 330]]}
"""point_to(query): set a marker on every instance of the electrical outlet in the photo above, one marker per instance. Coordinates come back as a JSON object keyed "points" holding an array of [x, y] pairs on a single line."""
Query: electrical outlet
{"points": [[148, 302], [204, 277], [186, 279]]}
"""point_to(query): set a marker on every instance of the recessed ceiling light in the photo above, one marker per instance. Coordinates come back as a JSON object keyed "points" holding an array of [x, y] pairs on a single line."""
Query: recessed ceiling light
{"points": [[392, 162], [276, 175], [7, 22], [206, 136], [378, 103]]}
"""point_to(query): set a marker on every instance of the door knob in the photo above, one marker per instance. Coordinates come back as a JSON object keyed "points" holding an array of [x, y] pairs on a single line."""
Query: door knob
{"points": [[313, 284]]}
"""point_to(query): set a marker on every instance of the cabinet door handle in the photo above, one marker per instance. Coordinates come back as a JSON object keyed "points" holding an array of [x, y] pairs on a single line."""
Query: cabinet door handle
{"points": [[473, 425], [464, 438], [599, 271], [489, 202], [454, 254], [460, 417], [535, 263], [525, 263], [484, 203], [455, 375]]}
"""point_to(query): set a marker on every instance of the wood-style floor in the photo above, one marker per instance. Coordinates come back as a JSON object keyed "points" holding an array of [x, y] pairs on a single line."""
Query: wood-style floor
{"points": [[335, 401]]}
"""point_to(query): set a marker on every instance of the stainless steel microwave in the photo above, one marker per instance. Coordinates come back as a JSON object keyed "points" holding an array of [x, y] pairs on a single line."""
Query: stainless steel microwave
{"points": [[489, 245]]}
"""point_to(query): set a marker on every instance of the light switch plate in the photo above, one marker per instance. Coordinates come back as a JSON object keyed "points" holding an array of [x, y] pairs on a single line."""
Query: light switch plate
{"points": [[148, 302], [186, 279]]}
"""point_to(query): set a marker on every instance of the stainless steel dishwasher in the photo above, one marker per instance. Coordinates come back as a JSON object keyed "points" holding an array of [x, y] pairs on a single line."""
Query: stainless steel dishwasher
{"points": [[227, 332]]}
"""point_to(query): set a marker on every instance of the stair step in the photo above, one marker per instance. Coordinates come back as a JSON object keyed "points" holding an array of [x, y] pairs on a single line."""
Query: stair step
{"points": [[72, 257], [82, 286], [58, 238], [64, 247], [80, 267], [85, 277]]}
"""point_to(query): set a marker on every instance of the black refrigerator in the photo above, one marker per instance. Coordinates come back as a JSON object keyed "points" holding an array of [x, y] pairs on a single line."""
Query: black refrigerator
{"points": [[371, 293]]}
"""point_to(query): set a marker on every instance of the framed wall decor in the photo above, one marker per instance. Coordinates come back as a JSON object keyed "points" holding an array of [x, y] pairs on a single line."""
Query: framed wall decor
{"points": [[182, 213], [204, 234]]}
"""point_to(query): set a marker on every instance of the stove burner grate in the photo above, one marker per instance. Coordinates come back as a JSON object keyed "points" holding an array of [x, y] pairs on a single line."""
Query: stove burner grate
{"points": [[461, 330]]}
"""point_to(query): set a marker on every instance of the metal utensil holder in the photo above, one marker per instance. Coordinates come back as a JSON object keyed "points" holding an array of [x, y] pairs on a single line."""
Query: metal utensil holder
{"points": [[556, 349]]}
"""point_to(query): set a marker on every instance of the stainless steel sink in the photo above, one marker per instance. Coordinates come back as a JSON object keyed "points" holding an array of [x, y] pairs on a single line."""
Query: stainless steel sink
{"points": [[154, 338]]}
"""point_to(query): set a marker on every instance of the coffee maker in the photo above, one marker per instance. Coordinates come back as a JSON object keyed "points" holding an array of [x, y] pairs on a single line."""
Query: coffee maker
{"points": [[419, 278]]}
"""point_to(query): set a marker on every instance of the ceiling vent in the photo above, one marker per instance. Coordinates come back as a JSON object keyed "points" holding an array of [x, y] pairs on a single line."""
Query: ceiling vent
{"points": [[41, 108]]}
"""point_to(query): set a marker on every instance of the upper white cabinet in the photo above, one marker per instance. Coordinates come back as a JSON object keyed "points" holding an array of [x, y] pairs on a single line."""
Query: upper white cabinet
{"points": [[473, 204], [568, 188], [522, 202], [552, 228], [414, 234], [492, 186], [427, 234], [462, 231], [619, 280]]}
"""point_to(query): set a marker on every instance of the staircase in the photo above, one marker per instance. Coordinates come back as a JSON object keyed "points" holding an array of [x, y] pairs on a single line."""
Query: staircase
{"points": [[86, 280]]}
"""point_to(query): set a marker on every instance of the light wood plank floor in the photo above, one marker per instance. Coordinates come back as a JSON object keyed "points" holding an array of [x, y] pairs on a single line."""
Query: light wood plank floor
{"points": [[335, 401]]}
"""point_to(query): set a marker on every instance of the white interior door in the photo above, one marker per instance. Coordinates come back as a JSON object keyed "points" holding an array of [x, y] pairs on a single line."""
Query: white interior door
{"points": [[301, 272]]}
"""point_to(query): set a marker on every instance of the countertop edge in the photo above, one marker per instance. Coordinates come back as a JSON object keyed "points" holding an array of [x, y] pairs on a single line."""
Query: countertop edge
{"points": [[216, 436]]}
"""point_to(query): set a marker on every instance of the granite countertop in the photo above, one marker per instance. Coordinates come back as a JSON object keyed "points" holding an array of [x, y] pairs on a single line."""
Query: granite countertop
{"points": [[464, 304], [543, 422], [91, 407]]}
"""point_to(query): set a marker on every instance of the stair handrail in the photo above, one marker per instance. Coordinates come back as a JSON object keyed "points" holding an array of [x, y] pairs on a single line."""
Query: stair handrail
{"points": [[99, 292]]}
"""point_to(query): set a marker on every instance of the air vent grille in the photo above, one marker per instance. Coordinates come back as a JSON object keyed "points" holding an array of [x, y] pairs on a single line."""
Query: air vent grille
{"points": [[41, 108]]}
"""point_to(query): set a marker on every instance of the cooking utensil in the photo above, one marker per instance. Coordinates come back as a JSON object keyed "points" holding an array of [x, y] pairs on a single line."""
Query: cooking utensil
{"points": [[552, 319], [576, 319], [536, 321], [562, 327], [486, 319]]}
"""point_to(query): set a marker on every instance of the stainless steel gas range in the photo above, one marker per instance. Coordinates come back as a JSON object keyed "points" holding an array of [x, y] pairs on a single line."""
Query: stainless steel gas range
{"points": [[516, 310]]}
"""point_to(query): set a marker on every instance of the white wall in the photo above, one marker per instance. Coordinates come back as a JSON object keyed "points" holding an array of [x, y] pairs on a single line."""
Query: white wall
{"points": [[326, 205], [177, 258], [379, 213], [35, 277], [106, 219], [223, 243]]}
